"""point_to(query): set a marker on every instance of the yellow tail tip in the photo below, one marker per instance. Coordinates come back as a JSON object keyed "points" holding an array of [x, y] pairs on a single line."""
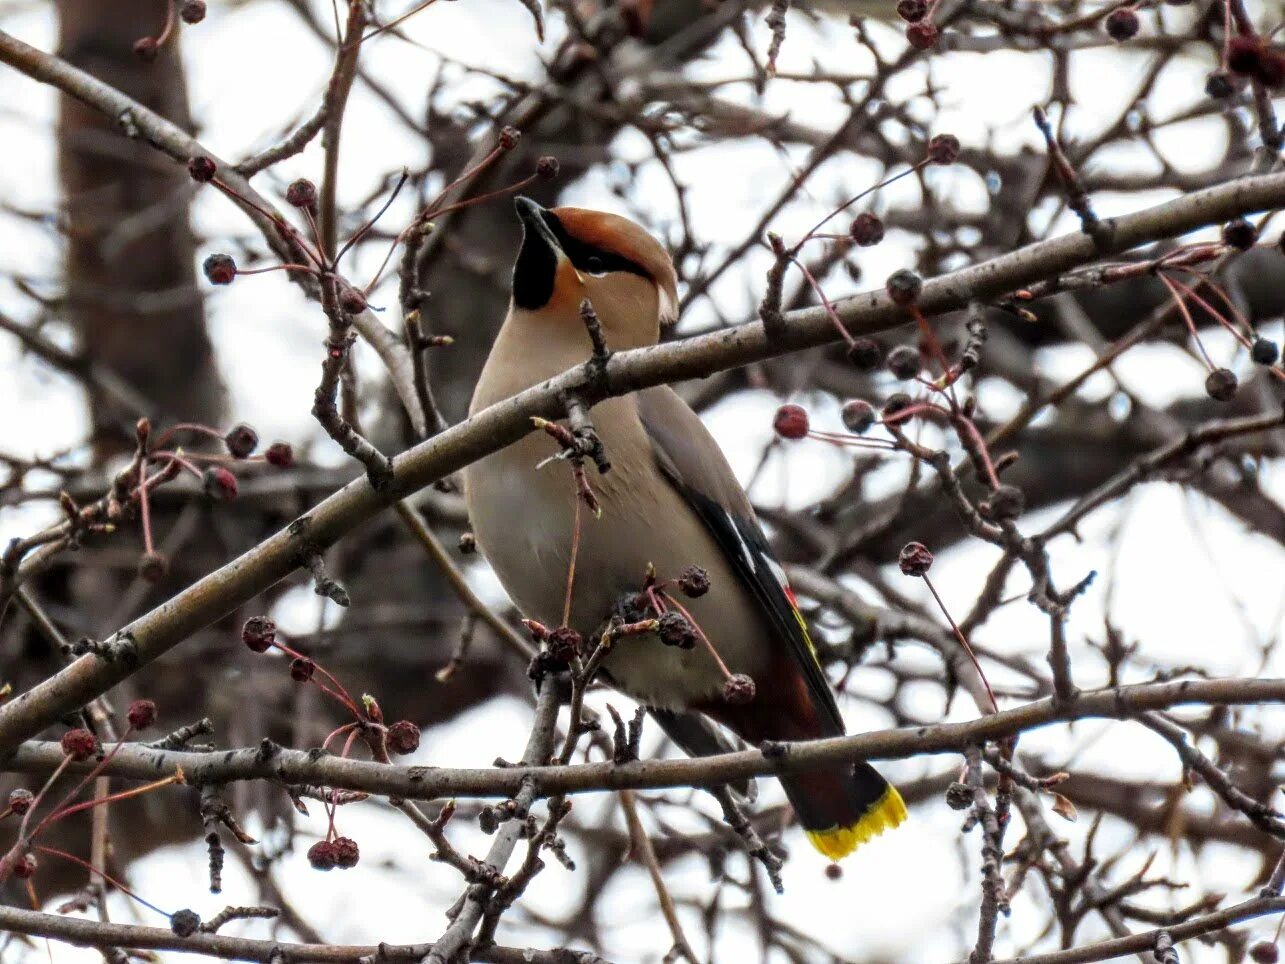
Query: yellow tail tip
{"points": [[837, 842]]}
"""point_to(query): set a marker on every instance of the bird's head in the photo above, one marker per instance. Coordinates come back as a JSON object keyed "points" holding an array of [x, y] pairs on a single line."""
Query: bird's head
{"points": [[570, 254]]}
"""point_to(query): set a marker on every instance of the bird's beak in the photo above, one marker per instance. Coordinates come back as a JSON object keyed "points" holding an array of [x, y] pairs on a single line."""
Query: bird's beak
{"points": [[534, 224]]}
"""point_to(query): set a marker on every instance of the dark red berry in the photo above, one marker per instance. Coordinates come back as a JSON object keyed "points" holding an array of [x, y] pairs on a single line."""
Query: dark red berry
{"points": [[1265, 351], [279, 454], [322, 855], [866, 354], [693, 581], [142, 714], [25, 867], [1271, 69], [192, 11], [467, 543], [509, 137], [547, 167], [79, 744], [915, 559], [184, 923], [301, 669], [346, 852], [912, 11], [1244, 54], [1240, 234], [301, 193], [1219, 85], [922, 35], [904, 361], [858, 415], [219, 269], [739, 689], [564, 644], [1122, 25], [20, 800], [791, 422], [219, 483], [833, 872], [1004, 504], [202, 169], [146, 49], [1221, 385], [351, 300], [867, 229], [896, 403], [676, 630], [241, 441], [259, 633], [943, 149], [152, 567], [403, 737], [1264, 952], [904, 286]]}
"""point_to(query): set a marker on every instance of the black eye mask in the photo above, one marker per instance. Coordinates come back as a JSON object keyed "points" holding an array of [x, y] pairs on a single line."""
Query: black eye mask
{"points": [[537, 264]]}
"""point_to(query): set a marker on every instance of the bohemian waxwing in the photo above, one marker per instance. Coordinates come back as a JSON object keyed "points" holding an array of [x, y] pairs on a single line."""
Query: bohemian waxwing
{"points": [[669, 501]]}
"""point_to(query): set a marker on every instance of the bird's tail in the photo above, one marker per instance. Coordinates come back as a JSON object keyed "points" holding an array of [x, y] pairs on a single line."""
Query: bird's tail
{"points": [[842, 809]]}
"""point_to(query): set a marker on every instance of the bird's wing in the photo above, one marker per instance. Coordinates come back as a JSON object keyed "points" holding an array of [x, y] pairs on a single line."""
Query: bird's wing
{"points": [[692, 461]]}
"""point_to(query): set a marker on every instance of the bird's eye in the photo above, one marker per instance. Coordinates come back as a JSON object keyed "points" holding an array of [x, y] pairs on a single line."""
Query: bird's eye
{"points": [[595, 265]]}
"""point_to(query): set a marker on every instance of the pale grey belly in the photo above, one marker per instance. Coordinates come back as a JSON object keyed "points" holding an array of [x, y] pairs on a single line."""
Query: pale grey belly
{"points": [[523, 520]]}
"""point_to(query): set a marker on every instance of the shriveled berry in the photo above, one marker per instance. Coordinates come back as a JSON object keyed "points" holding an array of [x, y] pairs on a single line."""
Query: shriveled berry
{"points": [[219, 483], [564, 643], [904, 362], [959, 796], [866, 354], [259, 633], [142, 714], [1221, 385], [922, 35], [152, 567], [858, 415], [346, 852], [146, 49], [467, 543], [403, 737], [1122, 25], [24, 867], [184, 923], [487, 821], [351, 300], [241, 441], [791, 422], [915, 559], [694, 582], [202, 169], [301, 669], [280, 454], [1264, 952], [833, 872], [903, 287], [912, 11], [322, 855], [867, 229], [943, 149], [79, 744], [192, 11], [1240, 234], [547, 167], [739, 689], [509, 137], [301, 193], [219, 269], [1004, 504], [1244, 54], [20, 800], [896, 403], [1219, 85], [676, 630], [1265, 351]]}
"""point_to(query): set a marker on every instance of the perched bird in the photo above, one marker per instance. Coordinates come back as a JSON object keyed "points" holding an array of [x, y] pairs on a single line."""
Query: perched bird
{"points": [[669, 501]]}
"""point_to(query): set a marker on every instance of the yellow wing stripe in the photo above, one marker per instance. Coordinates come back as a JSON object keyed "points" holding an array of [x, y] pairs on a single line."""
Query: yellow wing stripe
{"points": [[837, 842]]}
